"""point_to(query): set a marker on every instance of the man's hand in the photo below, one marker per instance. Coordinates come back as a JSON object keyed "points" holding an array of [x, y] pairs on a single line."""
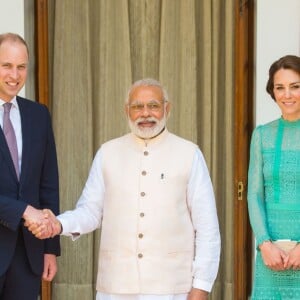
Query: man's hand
{"points": [[50, 267], [38, 217], [197, 294], [33, 215], [56, 227], [42, 223]]}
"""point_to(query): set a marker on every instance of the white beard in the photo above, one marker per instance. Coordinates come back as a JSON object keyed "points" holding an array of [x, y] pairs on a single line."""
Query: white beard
{"points": [[147, 132]]}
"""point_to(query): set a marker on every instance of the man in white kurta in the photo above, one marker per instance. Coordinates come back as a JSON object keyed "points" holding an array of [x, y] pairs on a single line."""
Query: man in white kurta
{"points": [[151, 194]]}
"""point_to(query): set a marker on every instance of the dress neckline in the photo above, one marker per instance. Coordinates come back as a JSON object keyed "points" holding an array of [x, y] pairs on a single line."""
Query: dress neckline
{"points": [[289, 123]]}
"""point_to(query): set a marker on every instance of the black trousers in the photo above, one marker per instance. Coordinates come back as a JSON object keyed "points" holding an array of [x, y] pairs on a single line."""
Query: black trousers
{"points": [[19, 282]]}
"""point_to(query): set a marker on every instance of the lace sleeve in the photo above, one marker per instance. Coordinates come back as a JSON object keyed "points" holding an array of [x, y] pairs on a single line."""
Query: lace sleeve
{"points": [[256, 200]]}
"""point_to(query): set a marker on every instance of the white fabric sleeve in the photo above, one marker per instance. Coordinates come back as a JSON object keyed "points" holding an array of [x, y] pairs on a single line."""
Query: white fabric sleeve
{"points": [[201, 202], [87, 215]]}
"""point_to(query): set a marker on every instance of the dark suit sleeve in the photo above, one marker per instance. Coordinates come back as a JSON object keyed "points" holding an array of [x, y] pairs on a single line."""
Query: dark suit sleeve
{"points": [[11, 212], [49, 185]]}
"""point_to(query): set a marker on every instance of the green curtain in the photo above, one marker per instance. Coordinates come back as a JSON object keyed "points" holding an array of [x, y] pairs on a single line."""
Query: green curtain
{"points": [[99, 47]]}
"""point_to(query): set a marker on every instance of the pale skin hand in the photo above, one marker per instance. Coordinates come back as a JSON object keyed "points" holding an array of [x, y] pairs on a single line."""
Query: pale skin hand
{"points": [[39, 230], [50, 267], [39, 217], [272, 256], [33, 215], [292, 260], [197, 294]]}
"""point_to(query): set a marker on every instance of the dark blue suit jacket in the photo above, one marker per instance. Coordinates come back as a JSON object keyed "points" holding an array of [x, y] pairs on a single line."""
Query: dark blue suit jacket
{"points": [[38, 185]]}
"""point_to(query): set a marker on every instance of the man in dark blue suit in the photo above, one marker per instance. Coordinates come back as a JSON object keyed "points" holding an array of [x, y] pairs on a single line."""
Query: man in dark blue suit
{"points": [[27, 186]]}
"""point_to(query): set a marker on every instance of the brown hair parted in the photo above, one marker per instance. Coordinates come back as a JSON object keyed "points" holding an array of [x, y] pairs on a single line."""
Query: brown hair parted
{"points": [[291, 62]]}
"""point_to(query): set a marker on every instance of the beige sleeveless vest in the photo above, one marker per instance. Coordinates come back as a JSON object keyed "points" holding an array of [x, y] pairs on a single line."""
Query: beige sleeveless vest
{"points": [[147, 238]]}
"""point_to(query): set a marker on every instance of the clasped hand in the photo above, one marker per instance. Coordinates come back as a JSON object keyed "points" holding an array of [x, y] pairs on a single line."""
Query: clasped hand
{"points": [[42, 223], [278, 260]]}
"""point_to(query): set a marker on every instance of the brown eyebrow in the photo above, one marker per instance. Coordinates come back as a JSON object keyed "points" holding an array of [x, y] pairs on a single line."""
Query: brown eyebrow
{"points": [[280, 84]]}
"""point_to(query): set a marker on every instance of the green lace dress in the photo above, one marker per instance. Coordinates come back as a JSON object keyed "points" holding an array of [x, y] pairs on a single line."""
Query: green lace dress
{"points": [[274, 202]]}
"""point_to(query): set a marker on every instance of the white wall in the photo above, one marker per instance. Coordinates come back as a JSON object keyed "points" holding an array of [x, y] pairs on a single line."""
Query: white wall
{"points": [[277, 34], [12, 20]]}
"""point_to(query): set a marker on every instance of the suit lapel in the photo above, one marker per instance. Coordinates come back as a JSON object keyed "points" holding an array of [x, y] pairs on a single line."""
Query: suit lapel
{"points": [[26, 133], [6, 154]]}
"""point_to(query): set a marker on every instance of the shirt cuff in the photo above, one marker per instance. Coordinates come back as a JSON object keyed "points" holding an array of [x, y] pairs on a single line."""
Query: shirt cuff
{"points": [[202, 285], [66, 232]]}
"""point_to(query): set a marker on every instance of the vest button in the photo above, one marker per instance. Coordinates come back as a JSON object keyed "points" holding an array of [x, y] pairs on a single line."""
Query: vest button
{"points": [[140, 255], [142, 215], [143, 194], [140, 235], [146, 153], [144, 173]]}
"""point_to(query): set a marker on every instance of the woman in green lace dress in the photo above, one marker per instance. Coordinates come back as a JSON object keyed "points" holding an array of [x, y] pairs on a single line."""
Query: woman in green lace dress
{"points": [[274, 188]]}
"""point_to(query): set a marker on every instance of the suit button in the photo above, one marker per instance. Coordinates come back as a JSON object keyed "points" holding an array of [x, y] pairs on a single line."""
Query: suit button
{"points": [[143, 194], [140, 255], [144, 173], [140, 235]]}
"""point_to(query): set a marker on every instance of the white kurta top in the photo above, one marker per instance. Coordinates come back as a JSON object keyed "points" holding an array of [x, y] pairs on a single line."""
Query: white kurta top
{"points": [[201, 203]]}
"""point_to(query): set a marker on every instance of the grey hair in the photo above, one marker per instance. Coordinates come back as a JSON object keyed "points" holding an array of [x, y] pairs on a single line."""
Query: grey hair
{"points": [[147, 82]]}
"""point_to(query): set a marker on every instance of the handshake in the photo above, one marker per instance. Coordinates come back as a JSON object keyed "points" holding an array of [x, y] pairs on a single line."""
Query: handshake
{"points": [[42, 223]]}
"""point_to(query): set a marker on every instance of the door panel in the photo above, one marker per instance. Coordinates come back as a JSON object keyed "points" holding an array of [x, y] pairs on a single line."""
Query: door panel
{"points": [[243, 127]]}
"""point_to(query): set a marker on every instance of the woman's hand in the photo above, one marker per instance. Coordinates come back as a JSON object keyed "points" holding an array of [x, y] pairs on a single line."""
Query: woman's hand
{"points": [[292, 260], [272, 256]]}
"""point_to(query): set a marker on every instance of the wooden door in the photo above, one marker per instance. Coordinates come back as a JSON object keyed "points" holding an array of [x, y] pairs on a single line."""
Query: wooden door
{"points": [[244, 48], [42, 82]]}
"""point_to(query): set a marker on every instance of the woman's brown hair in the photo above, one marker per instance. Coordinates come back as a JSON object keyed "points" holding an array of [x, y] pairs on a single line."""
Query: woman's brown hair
{"points": [[291, 62]]}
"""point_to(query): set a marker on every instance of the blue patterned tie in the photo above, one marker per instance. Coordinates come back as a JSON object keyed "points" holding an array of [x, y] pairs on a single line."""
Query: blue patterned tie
{"points": [[10, 136]]}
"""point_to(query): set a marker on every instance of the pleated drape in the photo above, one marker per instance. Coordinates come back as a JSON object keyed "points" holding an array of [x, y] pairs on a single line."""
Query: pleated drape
{"points": [[99, 48]]}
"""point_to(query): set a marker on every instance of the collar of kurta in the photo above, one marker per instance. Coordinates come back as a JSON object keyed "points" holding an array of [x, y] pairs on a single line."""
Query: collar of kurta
{"points": [[141, 143]]}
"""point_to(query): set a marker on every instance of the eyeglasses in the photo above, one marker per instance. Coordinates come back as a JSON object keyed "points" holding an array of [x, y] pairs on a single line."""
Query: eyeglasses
{"points": [[153, 105]]}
